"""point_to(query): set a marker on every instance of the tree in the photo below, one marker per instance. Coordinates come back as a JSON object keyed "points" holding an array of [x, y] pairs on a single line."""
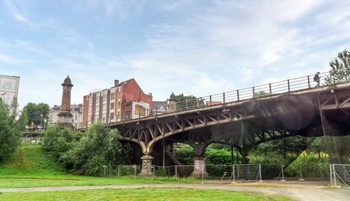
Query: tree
{"points": [[188, 102], [36, 113], [98, 146], [340, 69], [58, 140], [282, 151], [260, 94], [9, 129]]}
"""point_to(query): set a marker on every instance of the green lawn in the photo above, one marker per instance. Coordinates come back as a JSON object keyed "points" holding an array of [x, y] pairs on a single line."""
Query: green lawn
{"points": [[140, 194], [32, 167]]}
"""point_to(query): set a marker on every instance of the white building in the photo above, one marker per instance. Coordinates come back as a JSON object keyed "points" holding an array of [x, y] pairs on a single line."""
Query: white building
{"points": [[76, 111]]}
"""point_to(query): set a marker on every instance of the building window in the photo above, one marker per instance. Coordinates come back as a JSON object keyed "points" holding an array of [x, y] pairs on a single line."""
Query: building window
{"points": [[112, 115], [112, 106], [112, 96]]}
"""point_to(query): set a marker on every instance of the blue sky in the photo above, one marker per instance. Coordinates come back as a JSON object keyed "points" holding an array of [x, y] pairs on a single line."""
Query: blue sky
{"points": [[195, 47]]}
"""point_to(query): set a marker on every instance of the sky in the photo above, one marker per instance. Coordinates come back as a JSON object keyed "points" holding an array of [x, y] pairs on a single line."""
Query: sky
{"points": [[190, 47]]}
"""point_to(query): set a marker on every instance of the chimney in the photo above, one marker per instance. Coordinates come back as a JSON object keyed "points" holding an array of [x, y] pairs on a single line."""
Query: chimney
{"points": [[116, 83]]}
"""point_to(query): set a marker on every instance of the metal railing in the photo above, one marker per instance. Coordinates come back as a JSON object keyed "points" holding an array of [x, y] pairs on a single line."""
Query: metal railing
{"points": [[265, 90], [280, 87], [276, 88]]}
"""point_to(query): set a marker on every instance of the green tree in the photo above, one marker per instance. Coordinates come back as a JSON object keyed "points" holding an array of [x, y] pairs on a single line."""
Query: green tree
{"points": [[185, 155], [36, 113], [23, 119], [9, 129], [188, 102], [58, 140], [279, 151], [218, 156], [260, 94], [97, 147], [318, 146], [340, 68]]}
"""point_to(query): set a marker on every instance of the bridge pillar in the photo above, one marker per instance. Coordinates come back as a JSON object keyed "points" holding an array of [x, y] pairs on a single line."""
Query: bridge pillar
{"points": [[199, 167], [146, 170]]}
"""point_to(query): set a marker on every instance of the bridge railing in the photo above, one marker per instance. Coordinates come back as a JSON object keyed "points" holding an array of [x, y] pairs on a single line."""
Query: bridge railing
{"points": [[275, 88], [280, 87]]}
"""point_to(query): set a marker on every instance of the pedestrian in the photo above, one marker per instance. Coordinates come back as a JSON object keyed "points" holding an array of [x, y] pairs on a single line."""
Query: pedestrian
{"points": [[317, 78]]}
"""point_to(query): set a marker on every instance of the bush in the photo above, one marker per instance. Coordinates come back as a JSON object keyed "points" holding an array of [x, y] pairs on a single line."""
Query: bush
{"points": [[98, 146]]}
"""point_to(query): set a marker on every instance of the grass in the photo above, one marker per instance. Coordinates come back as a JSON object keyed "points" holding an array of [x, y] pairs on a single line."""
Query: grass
{"points": [[32, 167], [140, 194]]}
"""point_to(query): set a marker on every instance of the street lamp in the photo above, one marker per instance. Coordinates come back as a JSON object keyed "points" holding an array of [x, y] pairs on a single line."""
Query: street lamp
{"points": [[41, 120], [45, 123]]}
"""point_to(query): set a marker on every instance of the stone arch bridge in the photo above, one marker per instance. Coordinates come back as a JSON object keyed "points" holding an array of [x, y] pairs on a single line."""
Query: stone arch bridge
{"points": [[242, 121]]}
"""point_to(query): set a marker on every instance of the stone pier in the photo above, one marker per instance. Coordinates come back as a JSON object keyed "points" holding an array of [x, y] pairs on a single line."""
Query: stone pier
{"points": [[199, 167], [146, 166]]}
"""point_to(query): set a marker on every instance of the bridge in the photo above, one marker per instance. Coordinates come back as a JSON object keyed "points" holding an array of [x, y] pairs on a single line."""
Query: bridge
{"points": [[242, 119]]}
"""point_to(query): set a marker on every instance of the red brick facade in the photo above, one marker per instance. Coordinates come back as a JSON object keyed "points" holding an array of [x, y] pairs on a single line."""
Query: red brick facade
{"points": [[122, 101]]}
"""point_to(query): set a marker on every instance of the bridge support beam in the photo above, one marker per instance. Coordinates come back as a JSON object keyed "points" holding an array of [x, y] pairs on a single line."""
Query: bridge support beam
{"points": [[146, 170], [199, 167]]}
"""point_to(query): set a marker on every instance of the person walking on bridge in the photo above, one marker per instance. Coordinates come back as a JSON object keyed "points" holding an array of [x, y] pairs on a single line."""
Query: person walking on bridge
{"points": [[317, 79]]}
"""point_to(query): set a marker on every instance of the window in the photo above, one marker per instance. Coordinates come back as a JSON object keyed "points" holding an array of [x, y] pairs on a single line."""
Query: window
{"points": [[112, 96], [112, 106], [112, 115]]}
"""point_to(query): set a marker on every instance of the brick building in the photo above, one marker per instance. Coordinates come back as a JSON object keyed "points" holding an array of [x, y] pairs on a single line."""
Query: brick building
{"points": [[123, 101]]}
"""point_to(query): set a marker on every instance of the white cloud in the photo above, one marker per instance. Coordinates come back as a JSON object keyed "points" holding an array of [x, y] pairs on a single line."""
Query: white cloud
{"points": [[18, 10]]}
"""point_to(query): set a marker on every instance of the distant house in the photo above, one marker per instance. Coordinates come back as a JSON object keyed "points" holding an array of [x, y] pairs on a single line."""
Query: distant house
{"points": [[159, 107], [76, 110], [123, 101]]}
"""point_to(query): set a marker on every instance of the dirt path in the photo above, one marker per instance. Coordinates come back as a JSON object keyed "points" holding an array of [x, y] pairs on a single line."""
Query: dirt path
{"points": [[300, 191]]}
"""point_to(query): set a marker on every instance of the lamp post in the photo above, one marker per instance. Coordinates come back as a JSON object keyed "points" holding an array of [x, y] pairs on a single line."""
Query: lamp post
{"points": [[45, 123], [41, 120]]}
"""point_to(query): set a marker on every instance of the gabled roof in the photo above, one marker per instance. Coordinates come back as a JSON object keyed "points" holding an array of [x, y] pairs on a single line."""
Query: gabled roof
{"points": [[159, 104], [125, 82]]}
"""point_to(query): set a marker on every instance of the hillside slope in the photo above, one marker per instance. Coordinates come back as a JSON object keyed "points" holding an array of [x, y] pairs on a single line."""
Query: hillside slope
{"points": [[31, 161]]}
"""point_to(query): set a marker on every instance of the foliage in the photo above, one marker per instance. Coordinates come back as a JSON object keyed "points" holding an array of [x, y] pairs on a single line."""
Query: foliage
{"points": [[185, 155], [216, 154], [338, 148], [281, 151], [308, 165], [97, 147], [187, 102], [59, 140], [260, 94], [318, 147], [23, 119], [340, 68], [34, 112], [9, 129]]}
